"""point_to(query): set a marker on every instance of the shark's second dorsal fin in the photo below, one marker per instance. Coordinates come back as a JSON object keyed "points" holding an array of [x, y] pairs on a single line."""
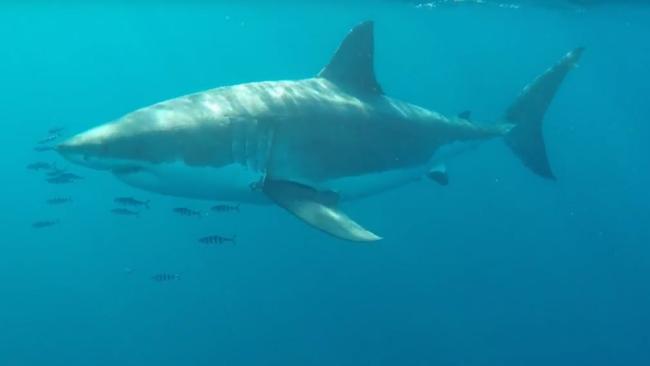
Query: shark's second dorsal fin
{"points": [[352, 65]]}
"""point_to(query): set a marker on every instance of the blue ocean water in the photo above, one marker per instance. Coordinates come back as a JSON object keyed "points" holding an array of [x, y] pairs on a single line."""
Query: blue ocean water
{"points": [[499, 268]]}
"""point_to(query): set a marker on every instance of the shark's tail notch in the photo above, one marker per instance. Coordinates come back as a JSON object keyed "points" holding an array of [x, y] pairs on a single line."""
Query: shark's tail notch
{"points": [[526, 115]]}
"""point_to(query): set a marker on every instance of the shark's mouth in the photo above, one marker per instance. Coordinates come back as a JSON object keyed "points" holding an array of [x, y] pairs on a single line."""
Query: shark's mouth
{"points": [[127, 170]]}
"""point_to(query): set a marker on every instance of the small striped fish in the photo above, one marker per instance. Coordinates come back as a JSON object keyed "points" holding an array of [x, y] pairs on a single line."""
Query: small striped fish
{"points": [[184, 211], [217, 239], [165, 277]]}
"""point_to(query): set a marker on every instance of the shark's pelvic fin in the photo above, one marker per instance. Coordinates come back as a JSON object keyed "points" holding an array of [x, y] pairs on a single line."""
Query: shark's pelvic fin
{"points": [[466, 115], [439, 174], [527, 114], [352, 66], [316, 208]]}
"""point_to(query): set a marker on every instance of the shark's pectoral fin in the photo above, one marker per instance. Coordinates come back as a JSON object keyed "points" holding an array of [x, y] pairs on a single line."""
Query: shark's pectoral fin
{"points": [[316, 208]]}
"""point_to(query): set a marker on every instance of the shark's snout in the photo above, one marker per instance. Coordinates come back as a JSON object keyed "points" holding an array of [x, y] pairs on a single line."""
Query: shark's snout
{"points": [[71, 151], [106, 147], [87, 148]]}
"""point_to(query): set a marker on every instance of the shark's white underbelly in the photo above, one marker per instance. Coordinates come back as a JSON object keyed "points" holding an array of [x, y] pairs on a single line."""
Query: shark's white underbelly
{"points": [[229, 183], [236, 182]]}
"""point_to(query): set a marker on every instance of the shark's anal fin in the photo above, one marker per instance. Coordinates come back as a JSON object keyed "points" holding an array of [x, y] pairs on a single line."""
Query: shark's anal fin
{"points": [[316, 208], [352, 66]]}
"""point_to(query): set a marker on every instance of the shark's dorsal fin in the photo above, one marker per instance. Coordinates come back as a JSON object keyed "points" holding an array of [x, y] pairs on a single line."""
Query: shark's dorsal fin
{"points": [[352, 66]]}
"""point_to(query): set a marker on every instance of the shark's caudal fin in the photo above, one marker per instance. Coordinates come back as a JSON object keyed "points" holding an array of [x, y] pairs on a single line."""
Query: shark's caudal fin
{"points": [[527, 113], [352, 65]]}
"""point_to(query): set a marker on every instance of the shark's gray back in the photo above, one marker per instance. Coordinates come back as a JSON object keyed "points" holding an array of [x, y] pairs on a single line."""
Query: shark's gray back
{"points": [[335, 125]]}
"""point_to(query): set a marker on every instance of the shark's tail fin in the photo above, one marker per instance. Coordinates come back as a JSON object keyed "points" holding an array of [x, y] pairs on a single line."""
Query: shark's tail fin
{"points": [[527, 113]]}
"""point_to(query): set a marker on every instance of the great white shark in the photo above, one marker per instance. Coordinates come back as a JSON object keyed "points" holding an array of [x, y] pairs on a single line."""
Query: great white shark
{"points": [[305, 145]]}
